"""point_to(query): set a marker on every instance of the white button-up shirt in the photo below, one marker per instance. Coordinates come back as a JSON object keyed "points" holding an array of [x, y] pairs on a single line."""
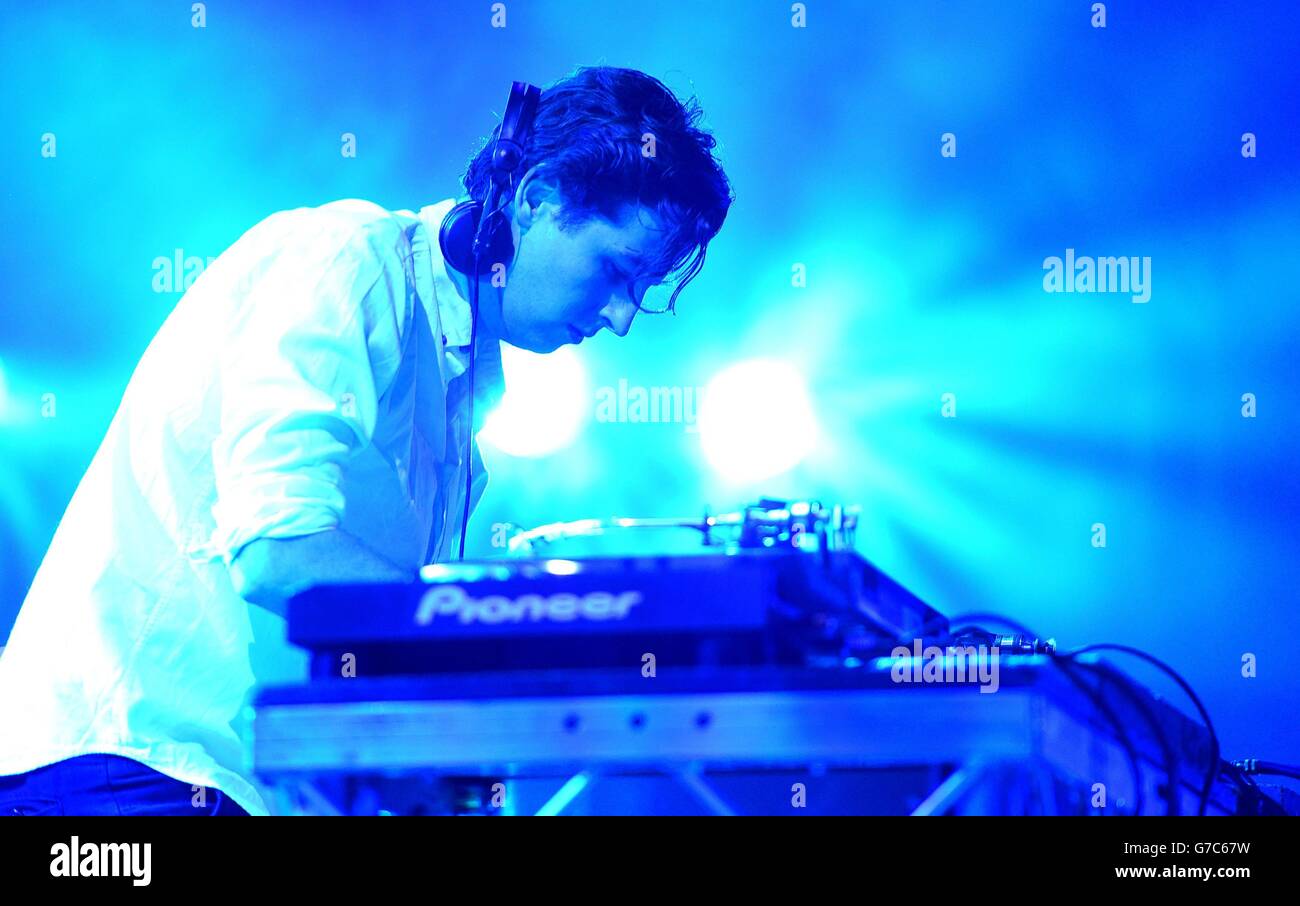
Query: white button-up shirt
{"points": [[311, 378]]}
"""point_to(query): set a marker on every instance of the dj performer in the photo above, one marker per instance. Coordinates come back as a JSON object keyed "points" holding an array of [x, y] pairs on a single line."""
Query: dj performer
{"points": [[304, 417]]}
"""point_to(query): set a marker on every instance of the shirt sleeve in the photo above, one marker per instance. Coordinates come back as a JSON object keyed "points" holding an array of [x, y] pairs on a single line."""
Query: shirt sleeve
{"points": [[314, 343]]}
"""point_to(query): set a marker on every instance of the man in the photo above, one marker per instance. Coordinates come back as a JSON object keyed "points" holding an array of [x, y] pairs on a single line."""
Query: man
{"points": [[301, 419]]}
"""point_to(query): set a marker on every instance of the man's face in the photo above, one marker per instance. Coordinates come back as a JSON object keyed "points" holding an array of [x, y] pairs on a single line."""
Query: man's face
{"points": [[566, 284]]}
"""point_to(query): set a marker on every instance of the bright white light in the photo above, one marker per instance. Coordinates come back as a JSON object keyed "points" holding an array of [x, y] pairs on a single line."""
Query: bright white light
{"points": [[545, 406], [756, 421], [561, 567]]}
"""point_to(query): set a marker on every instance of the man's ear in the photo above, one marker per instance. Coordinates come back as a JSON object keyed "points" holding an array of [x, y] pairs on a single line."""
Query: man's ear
{"points": [[537, 191]]}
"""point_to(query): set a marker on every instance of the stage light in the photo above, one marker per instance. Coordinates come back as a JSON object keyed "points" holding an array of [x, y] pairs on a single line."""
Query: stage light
{"points": [[545, 405], [756, 421]]}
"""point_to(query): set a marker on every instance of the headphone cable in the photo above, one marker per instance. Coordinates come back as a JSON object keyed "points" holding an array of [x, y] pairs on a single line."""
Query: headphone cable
{"points": [[490, 210], [473, 357]]}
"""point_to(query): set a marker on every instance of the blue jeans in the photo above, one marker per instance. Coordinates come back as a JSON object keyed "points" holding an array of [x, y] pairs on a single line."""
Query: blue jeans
{"points": [[106, 785]]}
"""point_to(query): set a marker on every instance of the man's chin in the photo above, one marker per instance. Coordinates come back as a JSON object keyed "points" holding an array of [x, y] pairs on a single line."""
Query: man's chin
{"points": [[541, 346]]}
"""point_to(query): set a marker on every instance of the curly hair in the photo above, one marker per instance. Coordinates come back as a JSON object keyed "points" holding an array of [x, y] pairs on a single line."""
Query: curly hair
{"points": [[593, 131]]}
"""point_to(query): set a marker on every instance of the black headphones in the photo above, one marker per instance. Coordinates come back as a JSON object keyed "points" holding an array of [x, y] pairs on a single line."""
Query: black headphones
{"points": [[469, 244], [473, 242]]}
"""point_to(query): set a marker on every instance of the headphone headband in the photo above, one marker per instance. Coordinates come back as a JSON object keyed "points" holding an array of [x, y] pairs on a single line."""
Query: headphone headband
{"points": [[473, 236], [521, 109]]}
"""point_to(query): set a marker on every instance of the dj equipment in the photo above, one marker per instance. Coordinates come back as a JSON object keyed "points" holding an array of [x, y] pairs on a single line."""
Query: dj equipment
{"points": [[787, 590], [729, 740], [750, 607], [778, 659]]}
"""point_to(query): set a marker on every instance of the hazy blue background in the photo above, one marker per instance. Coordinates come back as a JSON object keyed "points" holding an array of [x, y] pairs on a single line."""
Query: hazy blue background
{"points": [[924, 274]]}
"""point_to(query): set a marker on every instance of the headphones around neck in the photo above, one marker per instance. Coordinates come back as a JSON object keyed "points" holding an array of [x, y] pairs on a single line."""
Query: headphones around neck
{"points": [[473, 242], [469, 243]]}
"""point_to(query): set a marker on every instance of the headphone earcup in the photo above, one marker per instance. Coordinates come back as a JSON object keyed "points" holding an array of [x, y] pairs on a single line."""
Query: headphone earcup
{"points": [[456, 239]]}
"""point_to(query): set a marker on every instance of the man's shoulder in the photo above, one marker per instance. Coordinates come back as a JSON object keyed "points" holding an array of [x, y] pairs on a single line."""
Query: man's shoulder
{"points": [[349, 221], [359, 219], [354, 210]]}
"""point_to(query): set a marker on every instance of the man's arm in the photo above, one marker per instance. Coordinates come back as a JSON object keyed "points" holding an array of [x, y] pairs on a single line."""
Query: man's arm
{"points": [[269, 571], [306, 353]]}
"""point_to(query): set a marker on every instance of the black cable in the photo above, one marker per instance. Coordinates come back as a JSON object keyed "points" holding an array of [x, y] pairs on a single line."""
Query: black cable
{"points": [[1138, 697], [1130, 752], [479, 241], [1215, 765], [1213, 771], [971, 618], [469, 437], [1234, 772], [1249, 766], [993, 618], [1097, 701], [1251, 798]]}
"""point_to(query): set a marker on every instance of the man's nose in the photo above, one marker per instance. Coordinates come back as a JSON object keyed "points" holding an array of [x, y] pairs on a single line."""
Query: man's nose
{"points": [[618, 315]]}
